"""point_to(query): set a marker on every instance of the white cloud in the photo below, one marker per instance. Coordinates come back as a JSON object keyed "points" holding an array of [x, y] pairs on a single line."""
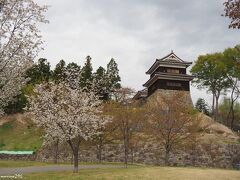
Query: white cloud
{"points": [[135, 33]]}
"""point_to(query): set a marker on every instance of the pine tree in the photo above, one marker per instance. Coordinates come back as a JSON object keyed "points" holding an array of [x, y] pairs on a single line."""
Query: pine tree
{"points": [[59, 71], [113, 76], [39, 72], [100, 77], [86, 74], [202, 106]]}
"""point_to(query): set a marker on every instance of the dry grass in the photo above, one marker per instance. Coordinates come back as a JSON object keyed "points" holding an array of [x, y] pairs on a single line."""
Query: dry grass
{"points": [[142, 173], [216, 132]]}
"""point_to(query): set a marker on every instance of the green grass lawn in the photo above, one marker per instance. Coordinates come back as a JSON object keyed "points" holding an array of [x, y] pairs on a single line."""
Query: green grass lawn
{"points": [[15, 135], [139, 173], [132, 173], [10, 164]]}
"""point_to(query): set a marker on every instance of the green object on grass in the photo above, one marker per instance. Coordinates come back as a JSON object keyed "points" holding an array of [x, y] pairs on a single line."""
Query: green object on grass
{"points": [[16, 152]]}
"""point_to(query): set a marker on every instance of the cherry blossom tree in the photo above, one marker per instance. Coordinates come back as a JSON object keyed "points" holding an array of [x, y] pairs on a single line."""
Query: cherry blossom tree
{"points": [[67, 112], [232, 11], [20, 42]]}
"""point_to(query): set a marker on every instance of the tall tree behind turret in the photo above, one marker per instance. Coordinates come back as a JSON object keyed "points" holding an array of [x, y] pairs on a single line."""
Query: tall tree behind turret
{"points": [[59, 71], [86, 75], [113, 76]]}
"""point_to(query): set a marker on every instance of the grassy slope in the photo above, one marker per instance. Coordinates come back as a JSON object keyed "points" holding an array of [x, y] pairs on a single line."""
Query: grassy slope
{"points": [[17, 135], [133, 173]]}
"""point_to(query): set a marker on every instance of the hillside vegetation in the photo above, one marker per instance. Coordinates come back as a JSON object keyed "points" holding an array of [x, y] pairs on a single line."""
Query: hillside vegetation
{"points": [[17, 132], [216, 132]]}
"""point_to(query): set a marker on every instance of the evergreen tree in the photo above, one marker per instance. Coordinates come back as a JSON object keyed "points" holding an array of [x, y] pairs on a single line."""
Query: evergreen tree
{"points": [[202, 106], [113, 76], [73, 66], [86, 73], [101, 80], [39, 72], [59, 71]]}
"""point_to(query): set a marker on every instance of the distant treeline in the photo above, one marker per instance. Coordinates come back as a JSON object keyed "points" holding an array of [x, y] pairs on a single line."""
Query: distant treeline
{"points": [[108, 79]]}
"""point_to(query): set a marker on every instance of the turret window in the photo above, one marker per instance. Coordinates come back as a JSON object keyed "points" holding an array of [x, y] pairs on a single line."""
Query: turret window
{"points": [[175, 71], [174, 84]]}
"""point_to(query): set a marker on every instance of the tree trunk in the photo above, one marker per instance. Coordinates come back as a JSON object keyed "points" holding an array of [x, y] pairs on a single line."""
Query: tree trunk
{"points": [[72, 159], [126, 151], [56, 152], [99, 156], [213, 106], [233, 118], [75, 157], [230, 116], [167, 153], [166, 159], [132, 155], [216, 108], [231, 109], [75, 149]]}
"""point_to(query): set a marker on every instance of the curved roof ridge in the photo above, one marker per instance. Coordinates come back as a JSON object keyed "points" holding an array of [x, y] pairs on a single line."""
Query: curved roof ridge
{"points": [[173, 56], [170, 58]]}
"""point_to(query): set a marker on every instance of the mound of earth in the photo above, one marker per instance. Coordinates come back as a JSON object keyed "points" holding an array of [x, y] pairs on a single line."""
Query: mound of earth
{"points": [[216, 132], [210, 130]]}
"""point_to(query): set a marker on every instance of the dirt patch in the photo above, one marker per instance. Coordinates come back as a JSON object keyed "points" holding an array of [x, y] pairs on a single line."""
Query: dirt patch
{"points": [[21, 118], [216, 130]]}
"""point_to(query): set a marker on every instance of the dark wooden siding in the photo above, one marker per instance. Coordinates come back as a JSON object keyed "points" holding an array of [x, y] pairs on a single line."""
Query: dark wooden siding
{"points": [[169, 85], [164, 69]]}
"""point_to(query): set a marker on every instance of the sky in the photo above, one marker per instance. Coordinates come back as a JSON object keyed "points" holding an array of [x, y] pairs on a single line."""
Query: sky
{"points": [[135, 33]]}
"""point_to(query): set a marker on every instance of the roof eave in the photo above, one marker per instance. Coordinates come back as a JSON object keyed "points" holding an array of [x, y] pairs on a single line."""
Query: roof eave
{"points": [[156, 77], [152, 69]]}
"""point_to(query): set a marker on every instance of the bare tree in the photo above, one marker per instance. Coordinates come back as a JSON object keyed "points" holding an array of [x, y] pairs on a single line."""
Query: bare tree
{"points": [[127, 118], [106, 135], [235, 93], [123, 94], [170, 123], [20, 42]]}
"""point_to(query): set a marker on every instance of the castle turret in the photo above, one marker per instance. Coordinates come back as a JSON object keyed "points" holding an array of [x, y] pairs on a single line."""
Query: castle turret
{"points": [[168, 73]]}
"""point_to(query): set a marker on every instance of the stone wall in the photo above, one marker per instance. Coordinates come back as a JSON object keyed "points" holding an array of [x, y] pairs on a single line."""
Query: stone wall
{"points": [[206, 155], [184, 99], [18, 157]]}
